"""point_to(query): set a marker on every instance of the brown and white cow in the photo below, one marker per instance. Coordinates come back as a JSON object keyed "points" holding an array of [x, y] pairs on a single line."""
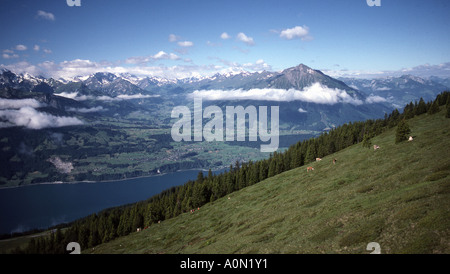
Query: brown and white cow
{"points": [[318, 159], [309, 168], [375, 147]]}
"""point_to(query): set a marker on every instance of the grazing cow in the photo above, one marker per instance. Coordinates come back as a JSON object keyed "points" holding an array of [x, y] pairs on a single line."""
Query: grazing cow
{"points": [[410, 138], [334, 161], [138, 229], [375, 147], [318, 159], [309, 168]]}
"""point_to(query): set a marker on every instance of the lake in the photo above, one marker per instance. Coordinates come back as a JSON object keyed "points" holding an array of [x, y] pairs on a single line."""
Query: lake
{"points": [[45, 205]]}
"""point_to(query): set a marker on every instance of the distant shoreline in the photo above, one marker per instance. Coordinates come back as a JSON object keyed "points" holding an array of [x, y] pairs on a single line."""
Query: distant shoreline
{"points": [[108, 181]]}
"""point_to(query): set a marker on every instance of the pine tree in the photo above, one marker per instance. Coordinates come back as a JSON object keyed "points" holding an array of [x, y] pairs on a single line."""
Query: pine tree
{"points": [[448, 111], [210, 174], [448, 107], [310, 154], [272, 168], [366, 141], [421, 107], [200, 177], [408, 111], [402, 132], [434, 108]]}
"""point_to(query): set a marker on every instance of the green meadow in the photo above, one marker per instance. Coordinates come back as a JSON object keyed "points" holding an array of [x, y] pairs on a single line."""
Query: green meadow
{"points": [[397, 196]]}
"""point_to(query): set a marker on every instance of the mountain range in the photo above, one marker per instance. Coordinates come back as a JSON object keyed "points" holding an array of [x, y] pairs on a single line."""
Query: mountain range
{"points": [[308, 98], [399, 91], [108, 126]]}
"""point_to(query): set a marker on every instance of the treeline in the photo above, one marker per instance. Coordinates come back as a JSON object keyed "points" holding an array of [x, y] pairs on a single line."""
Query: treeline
{"points": [[120, 221]]}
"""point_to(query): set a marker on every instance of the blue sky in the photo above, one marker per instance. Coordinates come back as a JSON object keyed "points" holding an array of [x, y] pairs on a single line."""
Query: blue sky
{"points": [[183, 38]]}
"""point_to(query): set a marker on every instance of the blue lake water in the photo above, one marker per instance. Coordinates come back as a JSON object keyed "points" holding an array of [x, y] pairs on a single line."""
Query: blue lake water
{"points": [[45, 205]]}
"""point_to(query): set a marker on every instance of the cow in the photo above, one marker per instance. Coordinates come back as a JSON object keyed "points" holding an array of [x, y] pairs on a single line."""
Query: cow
{"points": [[375, 147], [309, 168], [410, 138], [318, 159], [138, 229], [334, 161]]}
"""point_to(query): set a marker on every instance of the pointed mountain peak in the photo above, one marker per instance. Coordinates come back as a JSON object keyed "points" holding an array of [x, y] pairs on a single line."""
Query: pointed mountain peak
{"points": [[301, 68], [105, 76]]}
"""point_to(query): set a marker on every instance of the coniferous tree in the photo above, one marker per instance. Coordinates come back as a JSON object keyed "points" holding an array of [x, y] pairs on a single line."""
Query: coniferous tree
{"points": [[200, 177], [408, 111], [272, 168], [448, 111], [434, 108], [402, 132], [210, 174], [447, 114], [421, 107], [367, 143], [310, 154], [393, 118]]}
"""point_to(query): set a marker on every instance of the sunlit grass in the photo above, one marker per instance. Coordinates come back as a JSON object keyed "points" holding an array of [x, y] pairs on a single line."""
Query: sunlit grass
{"points": [[397, 196]]}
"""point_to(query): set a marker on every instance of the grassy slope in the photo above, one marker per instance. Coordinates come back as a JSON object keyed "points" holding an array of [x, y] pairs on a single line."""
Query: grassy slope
{"points": [[397, 196]]}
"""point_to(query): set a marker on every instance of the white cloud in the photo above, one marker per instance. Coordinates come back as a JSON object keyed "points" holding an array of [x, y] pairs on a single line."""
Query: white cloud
{"points": [[225, 36], [259, 65], [301, 110], [45, 15], [295, 32], [244, 38], [426, 70], [139, 66], [19, 103], [375, 99], [185, 44], [164, 55], [22, 112], [86, 110], [75, 96], [8, 51], [173, 38], [129, 97], [33, 119], [383, 89], [315, 93], [36, 47], [9, 56], [47, 51], [138, 60], [21, 47]]}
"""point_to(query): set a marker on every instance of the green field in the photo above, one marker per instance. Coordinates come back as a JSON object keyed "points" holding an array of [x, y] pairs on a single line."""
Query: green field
{"points": [[397, 196]]}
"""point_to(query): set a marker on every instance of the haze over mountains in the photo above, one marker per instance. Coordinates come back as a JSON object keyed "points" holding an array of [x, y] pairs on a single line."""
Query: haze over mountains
{"points": [[393, 89], [308, 98], [400, 90]]}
